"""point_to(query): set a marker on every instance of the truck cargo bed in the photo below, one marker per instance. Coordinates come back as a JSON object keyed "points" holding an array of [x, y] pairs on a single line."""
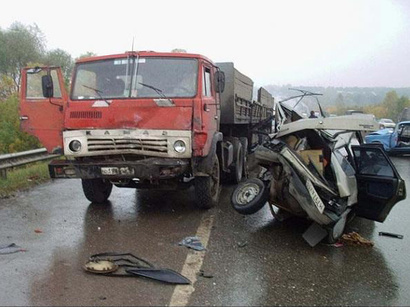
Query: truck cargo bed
{"points": [[237, 104]]}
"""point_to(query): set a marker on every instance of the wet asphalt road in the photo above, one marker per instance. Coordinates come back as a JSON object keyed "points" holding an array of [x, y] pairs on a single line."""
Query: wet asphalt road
{"points": [[253, 260]]}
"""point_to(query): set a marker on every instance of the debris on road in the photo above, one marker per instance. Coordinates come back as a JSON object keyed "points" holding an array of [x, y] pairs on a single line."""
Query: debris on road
{"points": [[392, 235], [127, 264], [337, 244], [192, 242], [242, 244], [10, 249], [204, 275], [38, 230], [356, 239], [100, 266]]}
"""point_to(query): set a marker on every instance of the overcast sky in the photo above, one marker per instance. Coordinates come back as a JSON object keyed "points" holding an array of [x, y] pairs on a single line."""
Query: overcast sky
{"points": [[298, 42]]}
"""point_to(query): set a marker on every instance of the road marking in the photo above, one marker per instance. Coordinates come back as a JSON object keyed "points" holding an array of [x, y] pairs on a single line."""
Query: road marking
{"points": [[193, 264]]}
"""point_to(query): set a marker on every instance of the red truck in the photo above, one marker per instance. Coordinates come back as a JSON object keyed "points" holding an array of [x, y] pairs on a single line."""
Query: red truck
{"points": [[145, 120]]}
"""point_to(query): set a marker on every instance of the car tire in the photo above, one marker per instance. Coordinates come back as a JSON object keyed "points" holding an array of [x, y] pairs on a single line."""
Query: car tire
{"points": [[207, 188], [96, 190], [250, 196]]}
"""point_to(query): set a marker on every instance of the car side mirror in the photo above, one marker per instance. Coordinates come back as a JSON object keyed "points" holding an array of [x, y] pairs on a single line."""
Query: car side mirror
{"points": [[220, 81], [47, 86]]}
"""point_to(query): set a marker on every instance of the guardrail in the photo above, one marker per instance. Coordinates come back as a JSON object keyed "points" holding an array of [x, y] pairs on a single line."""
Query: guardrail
{"points": [[8, 161]]}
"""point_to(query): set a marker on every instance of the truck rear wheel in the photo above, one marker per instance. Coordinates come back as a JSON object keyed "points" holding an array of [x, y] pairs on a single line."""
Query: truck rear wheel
{"points": [[207, 188], [96, 190], [244, 142], [237, 167]]}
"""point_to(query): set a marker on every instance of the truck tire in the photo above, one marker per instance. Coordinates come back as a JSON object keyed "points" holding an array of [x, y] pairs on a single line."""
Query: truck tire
{"points": [[207, 188], [96, 190], [238, 165], [244, 142], [250, 196]]}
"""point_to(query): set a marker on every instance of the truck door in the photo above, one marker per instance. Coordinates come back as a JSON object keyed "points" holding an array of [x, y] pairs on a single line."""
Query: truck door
{"points": [[40, 116], [379, 184], [210, 115]]}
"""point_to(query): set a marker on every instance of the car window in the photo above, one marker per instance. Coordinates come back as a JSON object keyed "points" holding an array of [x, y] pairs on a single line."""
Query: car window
{"points": [[371, 161]]}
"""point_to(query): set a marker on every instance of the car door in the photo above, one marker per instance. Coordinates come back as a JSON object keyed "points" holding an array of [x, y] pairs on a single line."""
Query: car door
{"points": [[379, 184], [40, 116]]}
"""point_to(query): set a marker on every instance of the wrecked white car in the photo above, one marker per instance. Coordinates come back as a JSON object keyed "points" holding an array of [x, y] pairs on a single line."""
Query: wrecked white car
{"points": [[319, 168]]}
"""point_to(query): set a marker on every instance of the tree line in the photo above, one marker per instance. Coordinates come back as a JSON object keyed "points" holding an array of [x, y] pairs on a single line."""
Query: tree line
{"points": [[383, 102]]}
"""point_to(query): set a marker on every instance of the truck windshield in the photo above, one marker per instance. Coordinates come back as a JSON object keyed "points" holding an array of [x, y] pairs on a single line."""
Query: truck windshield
{"points": [[149, 77]]}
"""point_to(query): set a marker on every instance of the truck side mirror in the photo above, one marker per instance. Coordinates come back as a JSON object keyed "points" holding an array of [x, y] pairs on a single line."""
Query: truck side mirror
{"points": [[220, 81], [47, 85]]}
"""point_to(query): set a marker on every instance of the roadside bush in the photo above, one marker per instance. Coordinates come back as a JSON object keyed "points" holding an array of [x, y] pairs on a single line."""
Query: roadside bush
{"points": [[12, 139]]}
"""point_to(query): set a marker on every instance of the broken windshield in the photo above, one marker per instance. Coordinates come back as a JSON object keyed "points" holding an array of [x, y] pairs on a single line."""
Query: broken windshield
{"points": [[130, 77], [303, 105]]}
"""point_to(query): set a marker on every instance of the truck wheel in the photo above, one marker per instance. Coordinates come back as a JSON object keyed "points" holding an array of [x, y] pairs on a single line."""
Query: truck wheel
{"points": [[207, 188], [96, 190], [250, 196], [244, 142], [237, 167]]}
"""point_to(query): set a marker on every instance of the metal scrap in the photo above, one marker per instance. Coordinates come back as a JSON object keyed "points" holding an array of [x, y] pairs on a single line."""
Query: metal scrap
{"points": [[10, 249], [192, 242]]}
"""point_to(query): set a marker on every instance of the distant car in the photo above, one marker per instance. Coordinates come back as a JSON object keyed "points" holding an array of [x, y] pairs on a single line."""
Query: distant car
{"points": [[395, 141], [386, 123]]}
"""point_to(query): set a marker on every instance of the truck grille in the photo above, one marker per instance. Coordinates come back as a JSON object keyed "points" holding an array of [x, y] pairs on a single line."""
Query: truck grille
{"points": [[86, 114], [137, 145]]}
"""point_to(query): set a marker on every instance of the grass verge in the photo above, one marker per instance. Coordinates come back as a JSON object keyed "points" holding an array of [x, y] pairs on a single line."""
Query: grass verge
{"points": [[22, 178]]}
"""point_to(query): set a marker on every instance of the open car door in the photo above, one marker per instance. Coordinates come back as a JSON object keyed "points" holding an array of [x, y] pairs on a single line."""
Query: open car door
{"points": [[42, 106], [379, 184]]}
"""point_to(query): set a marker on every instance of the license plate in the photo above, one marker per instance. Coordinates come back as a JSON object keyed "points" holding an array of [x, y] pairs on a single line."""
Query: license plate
{"points": [[316, 198], [110, 170]]}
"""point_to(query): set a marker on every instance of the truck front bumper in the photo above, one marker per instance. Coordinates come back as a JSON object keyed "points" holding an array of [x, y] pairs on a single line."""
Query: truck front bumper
{"points": [[147, 169]]}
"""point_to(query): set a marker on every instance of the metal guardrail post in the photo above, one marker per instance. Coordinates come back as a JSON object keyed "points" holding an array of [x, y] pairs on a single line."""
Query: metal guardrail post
{"points": [[3, 173]]}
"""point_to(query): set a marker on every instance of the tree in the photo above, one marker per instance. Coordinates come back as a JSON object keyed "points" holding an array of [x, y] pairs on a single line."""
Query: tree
{"points": [[20, 44], [340, 104], [402, 102], [377, 110], [12, 139], [59, 57], [6, 87], [390, 103], [86, 55]]}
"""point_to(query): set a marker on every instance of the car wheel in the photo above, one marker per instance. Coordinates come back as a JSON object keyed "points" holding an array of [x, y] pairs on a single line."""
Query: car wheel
{"points": [[250, 196], [96, 190]]}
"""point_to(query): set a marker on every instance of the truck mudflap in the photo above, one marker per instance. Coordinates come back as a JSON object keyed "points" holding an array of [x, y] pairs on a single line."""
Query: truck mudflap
{"points": [[147, 169]]}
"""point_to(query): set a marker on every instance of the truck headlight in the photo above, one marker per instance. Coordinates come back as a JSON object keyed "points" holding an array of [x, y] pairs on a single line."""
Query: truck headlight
{"points": [[75, 146], [179, 146]]}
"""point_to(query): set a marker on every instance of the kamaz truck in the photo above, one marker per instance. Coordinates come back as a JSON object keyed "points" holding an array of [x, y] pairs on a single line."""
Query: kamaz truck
{"points": [[146, 120]]}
